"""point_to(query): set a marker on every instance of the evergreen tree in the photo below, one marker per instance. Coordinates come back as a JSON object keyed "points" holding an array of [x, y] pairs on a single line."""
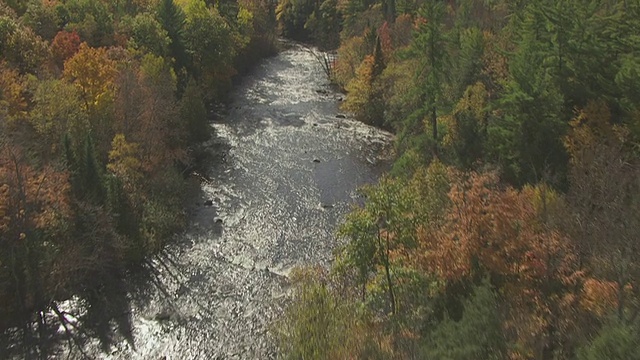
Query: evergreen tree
{"points": [[430, 45], [477, 335], [92, 187], [526, 139], [614, 342], [172, 19]]}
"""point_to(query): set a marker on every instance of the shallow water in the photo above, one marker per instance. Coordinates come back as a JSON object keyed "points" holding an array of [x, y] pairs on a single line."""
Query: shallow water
{"points": [[284, 175]]}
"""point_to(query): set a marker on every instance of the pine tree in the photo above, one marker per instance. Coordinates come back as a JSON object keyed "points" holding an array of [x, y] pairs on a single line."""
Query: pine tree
{"points": [[430, 45], [91, 174], [172, 19]]}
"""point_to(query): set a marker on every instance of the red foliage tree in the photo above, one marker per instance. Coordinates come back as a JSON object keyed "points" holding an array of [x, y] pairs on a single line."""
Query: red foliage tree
{"points": [[64, 45]]}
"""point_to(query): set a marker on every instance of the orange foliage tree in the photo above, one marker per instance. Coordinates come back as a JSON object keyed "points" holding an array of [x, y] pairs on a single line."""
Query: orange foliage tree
{"points": [[34, 210], [497, 232]]}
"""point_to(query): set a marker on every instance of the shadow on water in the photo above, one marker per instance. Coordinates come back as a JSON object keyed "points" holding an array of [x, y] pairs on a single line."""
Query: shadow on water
{"points": [[98, 314], [97, 318]]}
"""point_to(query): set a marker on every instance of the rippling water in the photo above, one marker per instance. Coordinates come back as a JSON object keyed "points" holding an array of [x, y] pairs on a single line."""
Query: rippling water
{"points": [[284, 176]]}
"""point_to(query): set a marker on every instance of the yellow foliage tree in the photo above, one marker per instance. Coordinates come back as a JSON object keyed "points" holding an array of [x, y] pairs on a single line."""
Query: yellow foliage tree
{"points": [[123, 162], [91, 70]]}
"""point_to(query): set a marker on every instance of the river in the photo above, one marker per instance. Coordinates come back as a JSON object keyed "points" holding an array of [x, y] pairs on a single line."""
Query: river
{"points": [[284, 174]]}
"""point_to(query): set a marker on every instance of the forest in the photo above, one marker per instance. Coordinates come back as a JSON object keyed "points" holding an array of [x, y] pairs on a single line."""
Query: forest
{"points": [[508, 225], [103, 107]]}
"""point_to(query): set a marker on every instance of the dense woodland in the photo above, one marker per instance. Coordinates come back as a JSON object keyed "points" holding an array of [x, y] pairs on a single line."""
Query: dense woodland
{"points": [[509, 225], [507, 228], [102, 107]]}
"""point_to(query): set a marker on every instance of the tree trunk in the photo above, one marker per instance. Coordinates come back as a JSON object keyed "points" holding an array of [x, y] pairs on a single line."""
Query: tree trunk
{"points": [[392, 298], [434, 128]]}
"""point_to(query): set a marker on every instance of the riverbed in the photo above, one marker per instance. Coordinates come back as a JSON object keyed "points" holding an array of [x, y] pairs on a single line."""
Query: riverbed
{"points": [[285, 168]]}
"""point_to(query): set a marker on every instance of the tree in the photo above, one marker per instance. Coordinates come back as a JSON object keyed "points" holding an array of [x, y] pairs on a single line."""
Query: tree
{"points": [[497, 233], [525, 139], [477, 335], [92, 20], [20, 46], [36, 211], [93, 73], [605, 212], [615, 341], [324, 25], [292, 15], [365, 92], [194, 114], [64, 45], [209, 43], [318, 324], [58, 112], [470, 125], [41, 16], [375, 230], [12, 94], [159, 131], [172, 19], [430, 45], [123, 162], [148, 35]]}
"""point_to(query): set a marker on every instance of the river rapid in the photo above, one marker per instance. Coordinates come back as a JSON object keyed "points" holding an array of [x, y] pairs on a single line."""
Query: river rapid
{"points": [[284, 174]]}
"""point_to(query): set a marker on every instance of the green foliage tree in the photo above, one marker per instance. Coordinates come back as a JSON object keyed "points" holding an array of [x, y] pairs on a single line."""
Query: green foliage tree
{"points": [[194, 114], [91, 19], [292, 15], [430, 46], [525, 140], [58, 113], [20, 46], [147, 35], [91, 175], [477, 335], [42, 18], [172, 19], [318, 324], [209, 43], [615, 342], [324, 25], [375, 230]]}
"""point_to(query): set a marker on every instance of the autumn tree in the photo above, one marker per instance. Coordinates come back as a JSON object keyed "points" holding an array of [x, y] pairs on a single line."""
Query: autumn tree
{"points": [[20, 46], [64, 45], [58, 112], [605, 211], [93, 73], [497, 233], [36, 211], [13, 89], [365, 92]]}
